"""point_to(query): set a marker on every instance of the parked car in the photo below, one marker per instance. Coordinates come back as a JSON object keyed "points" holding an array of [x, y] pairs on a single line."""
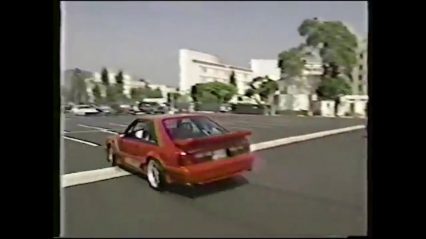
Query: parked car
{"points": [[180, 149], [104, 109], [124, 108], [152, 108], [66, 108], [84, 110], [225, 108]]}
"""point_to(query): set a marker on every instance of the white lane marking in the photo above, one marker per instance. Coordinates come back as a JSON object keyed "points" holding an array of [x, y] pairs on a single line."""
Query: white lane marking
{"points": [[114, 172], [81, 141], [98, 128], [78, 178], [84, 131], [121, 125], [299, 138]]}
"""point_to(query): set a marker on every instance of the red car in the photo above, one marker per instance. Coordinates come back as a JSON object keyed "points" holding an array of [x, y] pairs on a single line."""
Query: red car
{"points": [[181, 149]]}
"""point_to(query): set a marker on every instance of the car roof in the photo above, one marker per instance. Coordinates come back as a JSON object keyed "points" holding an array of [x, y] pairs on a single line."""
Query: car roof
{"points": [[168, 116]]}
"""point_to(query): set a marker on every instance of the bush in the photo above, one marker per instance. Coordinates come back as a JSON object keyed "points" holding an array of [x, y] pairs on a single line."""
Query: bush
{"points": [[215, 107], [242, 108]]}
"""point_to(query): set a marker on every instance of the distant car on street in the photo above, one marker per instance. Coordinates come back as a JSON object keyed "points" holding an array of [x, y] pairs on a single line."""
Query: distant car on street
{"points": [[66, 108], [180, 149], [152, 108], [84, 110], [225, 108], [104, 109]]}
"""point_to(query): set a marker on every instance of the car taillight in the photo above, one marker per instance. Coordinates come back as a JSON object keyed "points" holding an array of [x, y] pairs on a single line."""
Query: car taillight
{"points": [[242, 147], [184, 159]]}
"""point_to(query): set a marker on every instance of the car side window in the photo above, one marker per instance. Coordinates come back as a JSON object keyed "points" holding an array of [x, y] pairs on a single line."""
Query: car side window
{"points": [[129, 130], [144, 131], [136, 130], [150, 133]]}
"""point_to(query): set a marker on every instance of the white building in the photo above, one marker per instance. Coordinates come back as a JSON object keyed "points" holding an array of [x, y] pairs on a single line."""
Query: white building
{"points": [[128, 83], [265, 67], [309, 79], [313, 66], [360, 72], [297, 92], [198, 67], [163, 88]]}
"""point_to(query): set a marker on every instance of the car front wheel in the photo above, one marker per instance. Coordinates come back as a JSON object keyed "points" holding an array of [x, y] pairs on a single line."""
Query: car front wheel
{"points": [[155, 175]]}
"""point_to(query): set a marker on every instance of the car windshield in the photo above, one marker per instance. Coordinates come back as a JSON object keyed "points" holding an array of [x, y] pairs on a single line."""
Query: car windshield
{"points": [[192, 127]]}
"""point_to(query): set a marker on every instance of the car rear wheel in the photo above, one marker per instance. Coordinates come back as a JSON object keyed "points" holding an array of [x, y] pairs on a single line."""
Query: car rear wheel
{"points": [[155, 175]]}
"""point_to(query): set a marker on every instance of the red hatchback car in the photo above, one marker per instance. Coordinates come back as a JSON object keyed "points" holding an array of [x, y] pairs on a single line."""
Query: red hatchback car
{"points": [[182, 149]]}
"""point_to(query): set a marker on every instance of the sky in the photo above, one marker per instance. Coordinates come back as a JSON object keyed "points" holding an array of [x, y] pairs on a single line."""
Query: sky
{"points": [[143, 38]]}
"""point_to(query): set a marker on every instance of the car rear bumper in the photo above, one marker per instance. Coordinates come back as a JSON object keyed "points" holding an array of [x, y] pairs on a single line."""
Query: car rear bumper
{"points": [[212, 171]]}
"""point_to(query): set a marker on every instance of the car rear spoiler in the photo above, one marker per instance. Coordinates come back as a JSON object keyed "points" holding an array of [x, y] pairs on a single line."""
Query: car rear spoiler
{"points": [[212, 140]]}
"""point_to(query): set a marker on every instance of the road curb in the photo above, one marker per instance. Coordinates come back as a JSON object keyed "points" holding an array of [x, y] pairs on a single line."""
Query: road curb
{"points": [[91, 176], [300, 138]]}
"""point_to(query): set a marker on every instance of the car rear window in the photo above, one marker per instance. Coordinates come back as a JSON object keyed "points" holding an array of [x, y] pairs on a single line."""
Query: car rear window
{"points": [[192, 127]]}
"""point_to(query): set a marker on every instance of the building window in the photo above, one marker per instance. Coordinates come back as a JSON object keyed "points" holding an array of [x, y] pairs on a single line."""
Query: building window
{"points": [[361, 67], [203, 69], [361, 56], [359, 88], [360, 77]]}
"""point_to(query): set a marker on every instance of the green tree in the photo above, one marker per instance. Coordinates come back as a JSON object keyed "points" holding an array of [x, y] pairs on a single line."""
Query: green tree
{"points": [[183, 99], [119, 78], [105, 77], [232, 79], [172, 96], [119, 86], [336, 43], [209, 97], [265, 88], [112, 94], [194, 92], [151, 93], [137, 94], [337, 47], [330, 88], [249, 92], [97, 94], [78, 87], [291, 62], [221, 91], [156, 93]]}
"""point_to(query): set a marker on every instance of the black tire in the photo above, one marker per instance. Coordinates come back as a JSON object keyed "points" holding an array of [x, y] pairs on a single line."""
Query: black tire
{"points": [[157, 183]]}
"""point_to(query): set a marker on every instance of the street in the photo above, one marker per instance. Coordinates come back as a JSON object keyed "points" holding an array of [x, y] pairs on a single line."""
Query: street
{"points": [[312, 188]]}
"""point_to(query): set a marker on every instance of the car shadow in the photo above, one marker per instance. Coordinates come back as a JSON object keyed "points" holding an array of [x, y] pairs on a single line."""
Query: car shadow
{"points": [[197, 191]]}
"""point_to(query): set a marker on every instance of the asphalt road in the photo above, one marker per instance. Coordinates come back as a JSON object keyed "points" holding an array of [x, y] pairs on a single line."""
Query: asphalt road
{"points": [[81, 157], [314, 188]]}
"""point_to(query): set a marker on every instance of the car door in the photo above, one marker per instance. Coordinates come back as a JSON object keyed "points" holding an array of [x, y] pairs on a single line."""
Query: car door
{"points": [[129, 144], [137, 142], [148, 142]]}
